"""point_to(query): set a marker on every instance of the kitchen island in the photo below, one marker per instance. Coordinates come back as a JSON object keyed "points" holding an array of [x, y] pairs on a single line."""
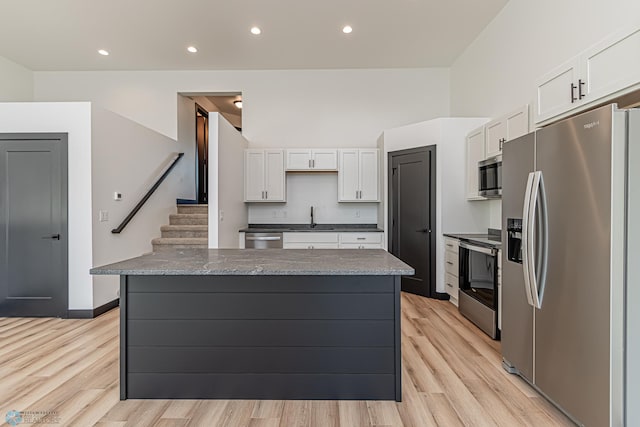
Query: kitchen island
{"points": [[260, 324]]}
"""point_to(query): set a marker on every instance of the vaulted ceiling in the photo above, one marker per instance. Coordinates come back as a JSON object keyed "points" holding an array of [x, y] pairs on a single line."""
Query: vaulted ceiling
{"points": [[296, 34]]}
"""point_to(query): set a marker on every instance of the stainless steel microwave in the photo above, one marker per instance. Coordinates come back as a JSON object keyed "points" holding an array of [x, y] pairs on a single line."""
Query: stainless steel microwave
{"points": [[490, 177]]}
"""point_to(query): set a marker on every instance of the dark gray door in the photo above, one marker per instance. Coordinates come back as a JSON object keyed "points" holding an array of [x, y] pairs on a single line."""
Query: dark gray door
{"points": [[412, 198], [33, 225]]}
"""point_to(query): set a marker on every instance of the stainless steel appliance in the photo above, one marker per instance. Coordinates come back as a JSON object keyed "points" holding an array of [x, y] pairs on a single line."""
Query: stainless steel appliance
{"points": [[490, 177], [565, 235], [263, 240], [478, 286]]}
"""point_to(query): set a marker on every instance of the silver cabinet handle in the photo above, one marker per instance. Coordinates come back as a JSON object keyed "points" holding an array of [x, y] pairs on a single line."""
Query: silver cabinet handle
{"points": [[361, 238], [266, 195], [263, 238], [309, 163]]}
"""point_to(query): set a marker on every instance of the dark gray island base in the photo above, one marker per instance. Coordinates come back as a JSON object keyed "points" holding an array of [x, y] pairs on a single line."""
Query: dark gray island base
{"points": [[224, 324]]}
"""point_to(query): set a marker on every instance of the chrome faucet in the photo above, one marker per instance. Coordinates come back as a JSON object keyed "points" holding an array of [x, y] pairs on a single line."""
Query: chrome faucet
{"points": [[313, 224]]}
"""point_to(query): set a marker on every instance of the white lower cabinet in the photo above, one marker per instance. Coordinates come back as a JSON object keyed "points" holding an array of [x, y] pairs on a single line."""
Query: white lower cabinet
{"points": [[451, 275], [328, 240], [304, 240], [366, 240]]}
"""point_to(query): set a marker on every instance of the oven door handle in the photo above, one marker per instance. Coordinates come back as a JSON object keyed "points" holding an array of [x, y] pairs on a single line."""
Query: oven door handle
{"points": [[481, 249]]}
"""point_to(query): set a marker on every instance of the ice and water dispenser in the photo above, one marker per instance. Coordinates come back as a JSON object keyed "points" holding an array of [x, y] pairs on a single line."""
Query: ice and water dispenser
{"points": [[514, 240]]}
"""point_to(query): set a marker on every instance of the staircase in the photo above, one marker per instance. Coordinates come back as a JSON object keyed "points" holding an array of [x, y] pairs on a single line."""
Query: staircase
{"points": [[187, 229]]}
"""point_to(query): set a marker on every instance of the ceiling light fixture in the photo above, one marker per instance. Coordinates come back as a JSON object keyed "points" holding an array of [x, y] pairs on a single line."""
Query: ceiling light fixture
{"points": [[238, 103], [192, 49], [347, 29], [103, 52], [255, 31]]}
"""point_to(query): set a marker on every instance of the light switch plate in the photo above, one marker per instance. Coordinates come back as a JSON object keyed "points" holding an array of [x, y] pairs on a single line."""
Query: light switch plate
{"points": [[117, 196]]}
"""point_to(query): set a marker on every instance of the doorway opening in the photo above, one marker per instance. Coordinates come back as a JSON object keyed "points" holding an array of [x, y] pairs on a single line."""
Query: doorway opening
{"points": [[202, 151], [412, 214]]}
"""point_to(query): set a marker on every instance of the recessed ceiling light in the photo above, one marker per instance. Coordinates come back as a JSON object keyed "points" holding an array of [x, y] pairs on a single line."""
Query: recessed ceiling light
{"points": [[103, 52], [347, 29], [255, 30], [192, 49], [238, 103]]}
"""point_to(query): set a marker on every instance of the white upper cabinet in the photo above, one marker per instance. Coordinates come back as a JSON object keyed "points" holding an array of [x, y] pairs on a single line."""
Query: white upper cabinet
{"points": [[496, 132], [613, 64], [358, 176], [264, 176], [312, 160], [505, 128], [557, 91], [607, 69], [475, 153]]}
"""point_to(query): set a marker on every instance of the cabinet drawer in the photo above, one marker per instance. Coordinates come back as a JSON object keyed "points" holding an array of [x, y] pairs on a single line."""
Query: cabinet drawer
{"points": [[451, 284], [360, 246], [451, 262], [361, 238], [310, 238], [451, 244], [310, 245]]}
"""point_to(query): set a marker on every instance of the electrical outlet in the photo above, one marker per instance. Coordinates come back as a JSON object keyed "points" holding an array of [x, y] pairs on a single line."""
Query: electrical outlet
{"points": [[104, 216], [221, 215], [274, 214], [357, 214]]}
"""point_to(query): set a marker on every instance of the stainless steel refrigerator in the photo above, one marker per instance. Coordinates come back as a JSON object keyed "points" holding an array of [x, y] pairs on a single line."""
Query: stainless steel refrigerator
{"points": [[567, 235]]}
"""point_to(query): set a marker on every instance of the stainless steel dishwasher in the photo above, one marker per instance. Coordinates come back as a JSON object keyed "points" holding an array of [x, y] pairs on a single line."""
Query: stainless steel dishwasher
{"points": [[263, 240]]}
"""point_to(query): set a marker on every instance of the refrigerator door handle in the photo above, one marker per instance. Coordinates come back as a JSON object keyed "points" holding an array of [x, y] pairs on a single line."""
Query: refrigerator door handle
{"points": [[526, 236], [538, 214]]}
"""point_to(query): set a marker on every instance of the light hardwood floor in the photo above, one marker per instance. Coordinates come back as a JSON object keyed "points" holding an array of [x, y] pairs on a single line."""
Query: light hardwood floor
{"points": [[452, 376]]}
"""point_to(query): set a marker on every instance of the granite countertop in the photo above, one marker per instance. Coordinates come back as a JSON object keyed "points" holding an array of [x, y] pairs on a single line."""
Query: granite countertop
{"points": [[336, 228], [295, 262], [481, 239]]}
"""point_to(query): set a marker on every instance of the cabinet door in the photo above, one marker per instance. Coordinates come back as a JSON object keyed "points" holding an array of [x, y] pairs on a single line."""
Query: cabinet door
{"points": [[496, 130], [612, 65], [368, 165], [298, 159], [274, 176], [348, 186], [325, 160], [475, 153], [517, 123], [254, 175], [554, 91], [360, 246]]}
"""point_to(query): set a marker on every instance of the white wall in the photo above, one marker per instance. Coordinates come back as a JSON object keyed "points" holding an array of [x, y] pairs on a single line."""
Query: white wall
{"points": [[128, 158], [227, 210], [454, 214], [74, 119], [16, 82], [319, 190], [281, 108], [499, 70]]}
